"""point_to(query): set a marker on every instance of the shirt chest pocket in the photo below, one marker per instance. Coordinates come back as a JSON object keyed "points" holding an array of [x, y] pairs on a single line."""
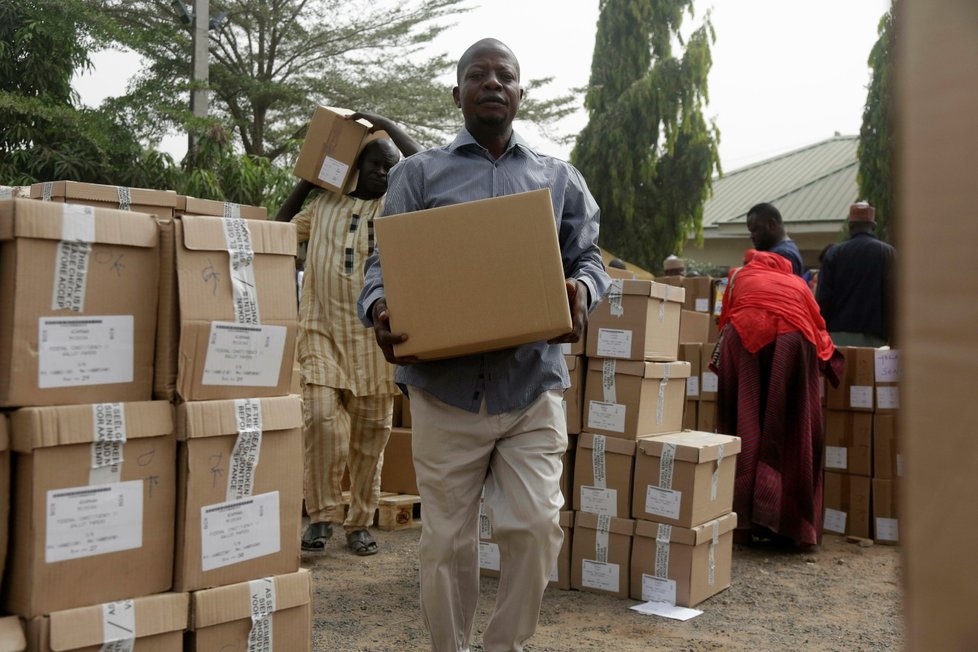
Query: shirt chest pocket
{"points": [[359, 242]]}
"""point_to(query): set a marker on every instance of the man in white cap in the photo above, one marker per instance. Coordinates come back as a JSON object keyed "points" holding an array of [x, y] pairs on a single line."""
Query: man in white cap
{"points": [[673, 266]]}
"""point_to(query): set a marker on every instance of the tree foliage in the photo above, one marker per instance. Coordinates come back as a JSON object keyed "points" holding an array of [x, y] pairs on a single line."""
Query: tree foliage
{"points": [[647, 151], [876, 146]]}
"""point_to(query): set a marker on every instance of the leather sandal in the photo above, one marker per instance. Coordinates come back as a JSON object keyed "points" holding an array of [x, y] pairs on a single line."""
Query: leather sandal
{"points": [[316, 535], [361, 543]]}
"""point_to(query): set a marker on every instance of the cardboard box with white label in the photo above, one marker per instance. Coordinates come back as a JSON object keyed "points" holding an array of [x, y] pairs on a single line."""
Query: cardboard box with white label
{"points": [[77, 304], [489, 551], [239, 490], [152, 622], [93, 505], [846, 503], [699, 293], [329, 152], [138, 200], [886, 523], [574, 395], [849, 442], [272, 613], [684, 478], [238, 313], [694, 327], [603, 468], [887, 449], [681, 566], [637, 320], [856, 390], [601, 553], [692, 352], [628, 399], [887, 377]]}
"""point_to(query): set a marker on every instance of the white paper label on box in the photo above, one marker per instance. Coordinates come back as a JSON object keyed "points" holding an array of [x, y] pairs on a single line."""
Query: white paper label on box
{"points": [[658, 589], [262, 607], [693, 386], [703, 304], [662, 502], [600, 575], [236, 531], [77, 351], [606, 416], [887, 366], [888, 398], [333, 172], [600, 501], [836, 457], [232, 210], [70, 276], [88, 521], [614, 343], [887, 529], [241, 260], [485, 527], [709, 383], [899, 465], [565, 348], [247, 448], [118, 626], [614, 298], [488, 555], [242, 355], [608, 381], [6, 192], [835, 521], [861, 396]]}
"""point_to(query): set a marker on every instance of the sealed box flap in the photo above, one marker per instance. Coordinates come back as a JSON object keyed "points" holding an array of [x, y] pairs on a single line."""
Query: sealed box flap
{"points": [[625, 526], [26, 218], [206, 233], [567, 519], [226, 604], [83, 627], [40, 427], [195, 206], [691, 445], [615, 445], [571, 361], [647, 369], [686, 536], [655, 290], [12, 634], [218, 418], [69, 190]]}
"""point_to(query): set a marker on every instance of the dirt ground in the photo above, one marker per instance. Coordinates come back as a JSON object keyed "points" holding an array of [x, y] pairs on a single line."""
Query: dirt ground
{"points": [[841, 597]]}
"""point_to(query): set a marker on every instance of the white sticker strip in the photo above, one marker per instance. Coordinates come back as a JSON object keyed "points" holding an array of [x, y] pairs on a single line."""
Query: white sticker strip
{"points": [[77, 223], [125, 198], [598, 461], [608, 380], [485, 525], [237, 237], [118, 626], [247, 448], [232, 210], [262, 607], [6, 192], [71, 258], [614, 298], [109, 428], [715, 483], [661, 404], [601, 538], [711, 577], [663, 537], [666, 463], [662, 305], [47, 191]]}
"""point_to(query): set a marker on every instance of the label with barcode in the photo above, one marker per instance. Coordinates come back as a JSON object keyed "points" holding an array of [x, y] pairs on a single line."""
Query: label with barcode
{"points": [[88, 521], [242, 355], [238, 530], [861, 396], [79, 351], [600, 501], [606, 416], [836, 457], [603, 576], [887, 529], [662, 502], [488, 555], [614, 343], [658, 589], [333, 171], [888, 398], [835, 521]]}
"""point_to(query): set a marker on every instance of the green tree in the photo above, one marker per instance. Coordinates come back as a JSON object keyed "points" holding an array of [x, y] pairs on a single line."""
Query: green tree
{"points": [[876, 136], [647, 151]]}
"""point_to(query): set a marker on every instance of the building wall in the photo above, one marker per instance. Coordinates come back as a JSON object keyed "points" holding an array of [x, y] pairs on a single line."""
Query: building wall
{"points": [[729, 251]]}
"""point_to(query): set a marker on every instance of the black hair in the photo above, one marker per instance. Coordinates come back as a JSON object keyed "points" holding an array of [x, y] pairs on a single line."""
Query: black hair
{"points": [[478, 46], [766, 210]]}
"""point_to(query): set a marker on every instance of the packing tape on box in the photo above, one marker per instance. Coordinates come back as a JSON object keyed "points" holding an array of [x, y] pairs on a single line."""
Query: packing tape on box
{"points": [[661, 403], [109, 437], [247, 448], [662, 306], [118, 626], [47, 191], [71, 258], [125, 198], [608, 380], [601, 538], [666, 464], [663, 537], [262, 607], [232, 210], [237, 237], [711, 578], [614, 298], [715, 482], [598, 461], [6, 192]]}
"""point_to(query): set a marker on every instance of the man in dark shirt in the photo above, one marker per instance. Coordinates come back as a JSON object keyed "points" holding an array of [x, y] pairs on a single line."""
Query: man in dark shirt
{"points": [[855, 284], [767, 233]]}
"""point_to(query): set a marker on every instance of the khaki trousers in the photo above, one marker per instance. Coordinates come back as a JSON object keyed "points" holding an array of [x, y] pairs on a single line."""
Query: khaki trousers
{"points": [[516, 456], [344, 430]]}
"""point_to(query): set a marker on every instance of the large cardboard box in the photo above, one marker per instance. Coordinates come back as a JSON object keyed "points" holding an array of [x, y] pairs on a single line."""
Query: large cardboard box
{"points": [[137, 200], [699, 293], [692, 352], [273, 613], [77, 304], [887, 377], [886, 522], [846, 502], [603, 468], [495, 280], [187, 205], [856, 391], [489, 552], [630, 399], [682, 566], [153, 622], [397, 473], [329, 152], [235, 342], [849, 442], [239, 490], [4, 491], [574, 395], [887, 448], [638, 320], [684, 478], [93, 505], [694, 327], [601, 554], [12, 635]]}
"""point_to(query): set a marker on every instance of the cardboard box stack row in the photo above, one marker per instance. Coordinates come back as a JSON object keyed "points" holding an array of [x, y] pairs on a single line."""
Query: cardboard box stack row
{"points": [[863, 461], [155, 454]]}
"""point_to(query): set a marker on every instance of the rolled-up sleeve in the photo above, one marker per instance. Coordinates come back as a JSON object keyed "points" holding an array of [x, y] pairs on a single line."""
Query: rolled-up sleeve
{"points": [[579, 226]]}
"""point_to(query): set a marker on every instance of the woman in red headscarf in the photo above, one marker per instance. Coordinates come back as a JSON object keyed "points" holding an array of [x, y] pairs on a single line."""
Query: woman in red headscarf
{"points": [[773, 345]]}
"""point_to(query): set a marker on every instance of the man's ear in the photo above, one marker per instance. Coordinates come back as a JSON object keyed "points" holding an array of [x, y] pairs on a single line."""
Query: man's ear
{"points": [[457, 97], [521, 93]]}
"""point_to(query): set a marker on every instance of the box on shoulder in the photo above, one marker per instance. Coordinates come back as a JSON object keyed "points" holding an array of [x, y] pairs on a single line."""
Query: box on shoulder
{"points": [[78, 290], [846, 499], [601, 554], [332, 145], [93, 499], [574, 395], [221, 489], [138, 200], [637, 320], [629, 399], [495, 281], [603, 469]]}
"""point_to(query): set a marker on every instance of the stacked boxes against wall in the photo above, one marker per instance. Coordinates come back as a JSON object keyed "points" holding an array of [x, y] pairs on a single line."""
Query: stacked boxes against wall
{"points": [[862, 460]]}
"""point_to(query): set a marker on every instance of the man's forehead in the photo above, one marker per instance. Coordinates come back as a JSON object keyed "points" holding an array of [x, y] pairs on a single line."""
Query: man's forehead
{"points": [[481, 55]]}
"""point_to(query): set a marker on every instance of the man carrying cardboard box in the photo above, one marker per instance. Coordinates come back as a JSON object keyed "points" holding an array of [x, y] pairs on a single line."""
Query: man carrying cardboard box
{"points": [[348, 387], [493, 419]]}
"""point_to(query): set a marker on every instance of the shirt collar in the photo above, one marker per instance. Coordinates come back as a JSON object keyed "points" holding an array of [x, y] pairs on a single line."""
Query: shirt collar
{"points": [[465, 139]]}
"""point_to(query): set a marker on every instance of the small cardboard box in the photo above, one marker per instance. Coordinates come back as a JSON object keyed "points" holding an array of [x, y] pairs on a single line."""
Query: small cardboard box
{"points": [[608, 574], [699, 293], [887, 450], [849, 442], [187, 205], [856, 389], [153, 622], [4, 491], [694, 327], [239, 496], [489, 552], [77, 304], [682, 566], [846, 502], [684, 478], [275, 612], [691, 415], [137, 200], [235, 344], [505, 246], [12, 635], [329, 152], [638, 320], [84, 535], [692, 352], [567, 471], [706, 417], [630, 399], [887, 377], [886, 523], [603, 468], [574, 395], [397, 473]]}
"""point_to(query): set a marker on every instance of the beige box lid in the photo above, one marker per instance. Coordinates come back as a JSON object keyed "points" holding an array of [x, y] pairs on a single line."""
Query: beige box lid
{"points": [[155, 614], [218, 418], [42, 427], [625, 526], [653, 290], [99, 192], [689, 536], [233, 602], [691, 445], [26, 218], [206, 233], [647, 369], [187, 205], [12, 635], [615, 445]]}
